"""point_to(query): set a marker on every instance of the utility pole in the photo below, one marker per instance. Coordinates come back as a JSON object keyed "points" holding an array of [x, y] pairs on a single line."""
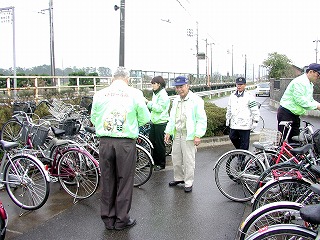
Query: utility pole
{"points": [[316, 41], [197, 48], [7, 19], [122, 31], [245, 66], [52, 58], [232, 61]]}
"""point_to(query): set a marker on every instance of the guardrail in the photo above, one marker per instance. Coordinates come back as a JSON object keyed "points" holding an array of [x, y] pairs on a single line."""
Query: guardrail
{"points": [[38, 85]]}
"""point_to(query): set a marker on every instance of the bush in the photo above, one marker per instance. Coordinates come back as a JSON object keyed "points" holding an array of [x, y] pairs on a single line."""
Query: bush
{"points": [[216, 120]]}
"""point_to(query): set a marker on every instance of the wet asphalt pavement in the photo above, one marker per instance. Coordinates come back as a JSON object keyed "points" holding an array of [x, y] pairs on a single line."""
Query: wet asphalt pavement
{"points": [[162, 212]]}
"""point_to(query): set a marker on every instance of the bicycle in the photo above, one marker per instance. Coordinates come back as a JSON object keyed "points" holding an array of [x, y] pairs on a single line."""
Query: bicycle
{"points": [[65, 161], [271, 214], [25, 179], [308, 230], [3, 221]]}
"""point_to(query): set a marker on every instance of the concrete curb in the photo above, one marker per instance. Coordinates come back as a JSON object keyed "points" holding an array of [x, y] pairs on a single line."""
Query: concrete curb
{"points": [[222, 140]]}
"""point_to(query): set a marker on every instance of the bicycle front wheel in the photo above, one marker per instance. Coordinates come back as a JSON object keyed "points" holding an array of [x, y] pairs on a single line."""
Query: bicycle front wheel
{"points": [[26, 182], [284, 231], [271, 214], [144, 166], [283, 189], [236, 174], [78, 173]]}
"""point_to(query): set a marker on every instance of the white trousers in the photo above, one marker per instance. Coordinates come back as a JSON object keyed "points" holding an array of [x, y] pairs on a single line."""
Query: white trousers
{"points": [[183, 159]]}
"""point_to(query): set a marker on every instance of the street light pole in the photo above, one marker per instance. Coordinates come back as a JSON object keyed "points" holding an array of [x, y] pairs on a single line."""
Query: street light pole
{"points": [[197, 47], [7, 10], [52, 58], [316, 41], [122, 31]]}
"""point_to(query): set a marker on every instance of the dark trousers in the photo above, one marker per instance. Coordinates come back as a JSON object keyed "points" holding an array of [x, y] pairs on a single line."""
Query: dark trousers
{"points": [[284, 114], [156, 136], [240, 138], [117, 160]]}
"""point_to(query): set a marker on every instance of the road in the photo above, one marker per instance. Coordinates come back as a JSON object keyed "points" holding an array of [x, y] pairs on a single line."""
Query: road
{"points": [[162, 212]]}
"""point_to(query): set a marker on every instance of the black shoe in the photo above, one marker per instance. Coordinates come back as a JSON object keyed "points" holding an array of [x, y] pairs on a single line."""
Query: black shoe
{"points": [[188, 189], [130, 223], [175, 183], [158, 168]]}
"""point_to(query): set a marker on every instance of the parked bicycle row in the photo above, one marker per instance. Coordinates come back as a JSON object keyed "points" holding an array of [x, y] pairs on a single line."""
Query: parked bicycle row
{"points": [[61, 147], [274, 172]]}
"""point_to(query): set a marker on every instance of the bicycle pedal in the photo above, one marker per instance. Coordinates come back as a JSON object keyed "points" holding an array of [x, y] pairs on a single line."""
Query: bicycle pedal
{"points": [[53, 179]]}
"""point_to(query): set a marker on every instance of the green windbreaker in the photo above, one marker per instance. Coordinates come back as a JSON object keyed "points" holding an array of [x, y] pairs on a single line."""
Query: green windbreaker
{"points": [[118, 111], [298, 96], [159, 107]]}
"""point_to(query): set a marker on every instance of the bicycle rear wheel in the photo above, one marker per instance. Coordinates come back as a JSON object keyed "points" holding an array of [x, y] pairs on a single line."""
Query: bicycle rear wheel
{"points": [[144, 166], [284, 231], [11, 130], [78, 173], [236, 173], [283, 189], [26, 182]]}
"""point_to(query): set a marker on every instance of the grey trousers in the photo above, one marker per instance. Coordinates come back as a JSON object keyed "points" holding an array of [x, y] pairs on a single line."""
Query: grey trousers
{"points": [[117, 160]]}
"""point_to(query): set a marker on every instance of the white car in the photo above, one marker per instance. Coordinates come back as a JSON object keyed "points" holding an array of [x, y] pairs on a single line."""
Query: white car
{"points": [[263, 89]]}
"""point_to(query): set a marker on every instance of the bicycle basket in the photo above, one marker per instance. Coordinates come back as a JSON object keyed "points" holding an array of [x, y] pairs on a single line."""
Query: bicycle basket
{"points": [[71, 126], [27, 107], [39, 135], [316, 140], [270, 135]]}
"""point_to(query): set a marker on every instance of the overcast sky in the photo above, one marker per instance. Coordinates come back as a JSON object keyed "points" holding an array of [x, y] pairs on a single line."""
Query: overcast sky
{"points": [[86, 33]]}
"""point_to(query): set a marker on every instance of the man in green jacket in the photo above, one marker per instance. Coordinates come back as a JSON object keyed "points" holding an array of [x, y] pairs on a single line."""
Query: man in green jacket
{"points": [[117, 112], [187, 124], [297, 99]]}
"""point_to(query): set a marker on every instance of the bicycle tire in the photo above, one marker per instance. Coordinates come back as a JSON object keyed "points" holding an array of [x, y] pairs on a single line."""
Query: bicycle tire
{"points": [[282, 189], [144, 166], [238, 184], [282, 212], [11, 131], [284, 231], [26, 182], [145, 142], [78, 173], [284, 167], [3, 229]]}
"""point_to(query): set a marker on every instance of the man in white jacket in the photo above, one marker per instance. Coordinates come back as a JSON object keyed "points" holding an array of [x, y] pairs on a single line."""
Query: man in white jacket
{"points": [[242, 115]]}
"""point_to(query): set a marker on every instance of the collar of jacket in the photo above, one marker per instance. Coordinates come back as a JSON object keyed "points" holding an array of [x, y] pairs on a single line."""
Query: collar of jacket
{"points": [[239, 94]]}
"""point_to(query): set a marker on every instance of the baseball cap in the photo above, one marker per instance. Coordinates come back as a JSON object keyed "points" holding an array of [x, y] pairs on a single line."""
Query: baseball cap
{"points": [[240, 80], [314, 67], [180, 80]]}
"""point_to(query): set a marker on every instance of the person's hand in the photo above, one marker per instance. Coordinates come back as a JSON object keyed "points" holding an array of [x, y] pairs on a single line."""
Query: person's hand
{"points": [[318, 107], [227, 122], [146, 100], [254, 125], [167, 138], [197, 141]]}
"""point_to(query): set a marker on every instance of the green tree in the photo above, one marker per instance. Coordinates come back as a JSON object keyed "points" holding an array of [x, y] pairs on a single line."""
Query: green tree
{"points": [[279, 66]]}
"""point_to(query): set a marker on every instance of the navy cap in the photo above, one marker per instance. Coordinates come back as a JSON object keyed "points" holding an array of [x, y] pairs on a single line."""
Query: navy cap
{"points": [[314, 67], [181, 80], [241, 80]]}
